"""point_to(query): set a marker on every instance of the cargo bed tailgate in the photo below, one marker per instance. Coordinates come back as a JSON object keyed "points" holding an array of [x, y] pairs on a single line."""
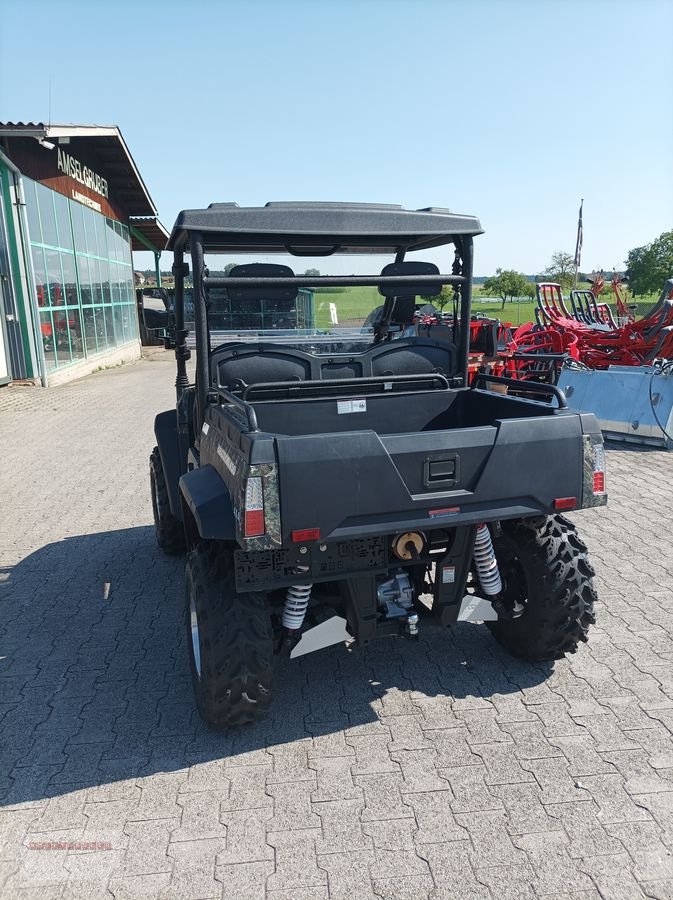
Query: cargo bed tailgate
{"points": [[356, 483]]}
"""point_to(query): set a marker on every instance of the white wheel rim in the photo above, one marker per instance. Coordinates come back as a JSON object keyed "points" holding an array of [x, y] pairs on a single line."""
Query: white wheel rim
{"points": [[194, 629]]}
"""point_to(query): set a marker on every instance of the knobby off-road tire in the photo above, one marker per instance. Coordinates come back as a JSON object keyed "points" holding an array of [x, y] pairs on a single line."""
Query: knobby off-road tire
{"points": [[230, 639], [169, 531], [545, 566]]}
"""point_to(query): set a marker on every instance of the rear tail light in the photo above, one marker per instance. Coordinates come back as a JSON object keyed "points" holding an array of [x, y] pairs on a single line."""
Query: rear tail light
{"points": [[599, 469], [253, 517], [593, 483]]}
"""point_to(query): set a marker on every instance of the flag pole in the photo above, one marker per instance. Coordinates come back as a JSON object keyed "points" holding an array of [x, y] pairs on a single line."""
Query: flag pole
{"points": [[578, 243]]}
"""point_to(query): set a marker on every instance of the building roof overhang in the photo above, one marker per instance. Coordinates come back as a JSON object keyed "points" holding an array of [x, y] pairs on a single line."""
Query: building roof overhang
{"points": [[110, 147], [148, 234]]}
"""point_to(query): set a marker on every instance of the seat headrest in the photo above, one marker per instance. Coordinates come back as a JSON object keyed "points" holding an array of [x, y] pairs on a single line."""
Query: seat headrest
{"points": [[261, 270], [413, 267]]}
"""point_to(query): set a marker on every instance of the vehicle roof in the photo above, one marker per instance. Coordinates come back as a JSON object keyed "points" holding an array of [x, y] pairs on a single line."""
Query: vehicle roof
{"points": [[320, 229]]}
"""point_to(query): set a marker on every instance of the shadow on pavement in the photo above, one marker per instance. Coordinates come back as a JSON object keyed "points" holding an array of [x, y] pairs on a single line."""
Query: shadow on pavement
{"points": [[95, 685]]}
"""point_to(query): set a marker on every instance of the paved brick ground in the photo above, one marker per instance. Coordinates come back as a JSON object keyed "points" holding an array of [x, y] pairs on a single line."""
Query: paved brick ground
{"points": [[442, 769]]}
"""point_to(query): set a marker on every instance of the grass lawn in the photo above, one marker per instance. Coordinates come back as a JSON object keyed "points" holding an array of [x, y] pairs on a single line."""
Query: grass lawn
{"points": [[354, 304]]}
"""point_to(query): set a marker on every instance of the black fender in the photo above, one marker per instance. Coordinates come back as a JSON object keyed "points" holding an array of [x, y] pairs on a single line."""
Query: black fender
{"points": [[166, 433], [208, 499]]}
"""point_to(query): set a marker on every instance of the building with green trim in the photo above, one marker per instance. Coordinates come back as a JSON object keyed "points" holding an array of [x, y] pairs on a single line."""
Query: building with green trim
{"points": [[73, 207]]}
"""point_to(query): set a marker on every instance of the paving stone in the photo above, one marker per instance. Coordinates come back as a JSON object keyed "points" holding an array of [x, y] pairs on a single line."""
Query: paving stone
{"points": [[555, 871], [615, 805], [530, 740], [640, 776], [407, 734], [290, 765], [194, 869], [139, 887], [246, 836], [329, 743], [607, 734], [627, 712], [436, 713], [658, 744], [511, 708], [587, 836], [613, 877], [659, 890], [490, 839], [372, 757], [341, 829], [434, 817], [502, 766], [247, 881], [14, 826], [453, 748], [147, 847], [383, 797], [335, 779], [29, 786], [90, 873], [557, 785], [63, 812], [105, 822], [307, 893], [469, 789], [41, 865], [408, 888], [292, 806], [123, 789], [419, 772], [660, 808], [580, 751], [397, 702], [248, 788], [348, 874], [158, 798], [200, 818], [482, 726], [452, 874], [511, 882], [296, 863], [208, 775]]}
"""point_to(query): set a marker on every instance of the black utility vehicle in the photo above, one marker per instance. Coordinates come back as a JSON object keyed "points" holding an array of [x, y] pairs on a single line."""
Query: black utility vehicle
{"points": [[332, 483]]}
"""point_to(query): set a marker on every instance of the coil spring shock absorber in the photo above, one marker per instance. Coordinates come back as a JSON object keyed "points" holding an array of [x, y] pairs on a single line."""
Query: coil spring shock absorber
{"points": [[485, 562], [296, 604]]}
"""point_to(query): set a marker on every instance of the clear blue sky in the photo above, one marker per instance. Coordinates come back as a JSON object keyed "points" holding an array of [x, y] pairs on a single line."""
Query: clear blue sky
{"points": [[508, 110]]}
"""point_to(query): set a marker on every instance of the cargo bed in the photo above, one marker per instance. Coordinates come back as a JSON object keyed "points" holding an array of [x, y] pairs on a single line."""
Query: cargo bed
{"points": [[380, 464]]}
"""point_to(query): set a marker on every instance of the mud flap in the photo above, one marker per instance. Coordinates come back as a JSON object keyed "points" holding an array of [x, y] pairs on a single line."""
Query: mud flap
{"points": [[476, 609], [331, 631]]}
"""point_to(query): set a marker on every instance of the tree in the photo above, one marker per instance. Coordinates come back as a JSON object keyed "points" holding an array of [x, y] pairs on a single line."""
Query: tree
{"points": [[312, 273], [440, 300], [508, 284], [648, 267], [561, 270]]}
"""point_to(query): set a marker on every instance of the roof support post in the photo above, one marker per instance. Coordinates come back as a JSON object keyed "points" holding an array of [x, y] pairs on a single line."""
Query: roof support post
{"points": [[181, 350], [157, 266], [200, 327], [466, 247]]}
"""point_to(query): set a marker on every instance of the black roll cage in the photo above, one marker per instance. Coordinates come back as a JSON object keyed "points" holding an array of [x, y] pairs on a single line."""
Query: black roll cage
{"points": [[202, 281]]}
